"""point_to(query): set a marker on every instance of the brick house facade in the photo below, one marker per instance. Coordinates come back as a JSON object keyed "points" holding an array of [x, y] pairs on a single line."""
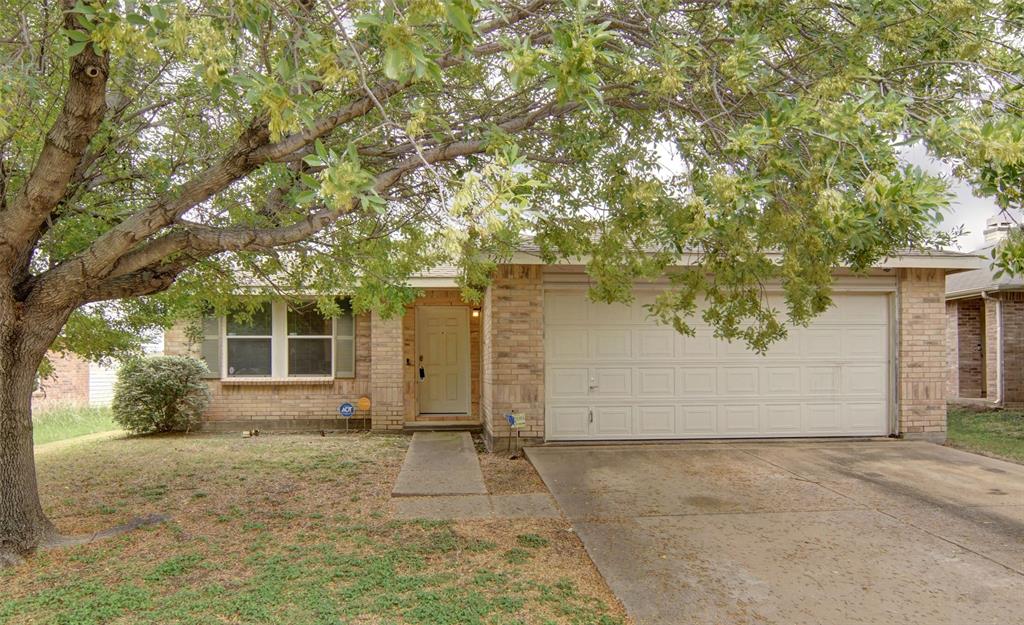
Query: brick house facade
{"points": [[68, 385], [985, 332], [505, 369]]}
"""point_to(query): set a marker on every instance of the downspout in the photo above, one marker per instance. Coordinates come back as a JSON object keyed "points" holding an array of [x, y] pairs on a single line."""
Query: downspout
{"points": [[998, 399]]}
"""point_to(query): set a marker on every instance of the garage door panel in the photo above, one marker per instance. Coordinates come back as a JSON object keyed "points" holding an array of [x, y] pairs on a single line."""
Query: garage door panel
{"points": [[821, 380], [613, 373], [656, 381], [780, 380], [824, 343], [697, 419], [741, 419], [865, 343], [564, 308], [568, 382], [567, 421], [568, 344], [740, 380], [698, 381], [655, 420], [783, 418], [606, 344], [700, 346], [824, 418], [613, 381], [613, 421], [863, 416], [657, 344], [862, 309], [869, 380]]}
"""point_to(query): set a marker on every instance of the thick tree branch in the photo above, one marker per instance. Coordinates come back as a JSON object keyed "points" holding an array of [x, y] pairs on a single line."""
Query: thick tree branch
{"points": [[66, 142]]}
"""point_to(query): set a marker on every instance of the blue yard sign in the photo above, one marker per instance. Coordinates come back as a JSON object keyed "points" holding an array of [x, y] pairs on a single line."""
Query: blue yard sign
{"points": [[346, 410]]}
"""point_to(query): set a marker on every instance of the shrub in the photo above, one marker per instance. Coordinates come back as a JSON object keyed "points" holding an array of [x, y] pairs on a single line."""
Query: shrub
{"points": [[160, 394]]}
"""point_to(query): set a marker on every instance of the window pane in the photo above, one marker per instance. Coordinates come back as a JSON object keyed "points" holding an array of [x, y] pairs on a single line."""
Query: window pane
{"points": [[258, 324], [248, 357], [306, 320], [344, 357], [309, 357]]}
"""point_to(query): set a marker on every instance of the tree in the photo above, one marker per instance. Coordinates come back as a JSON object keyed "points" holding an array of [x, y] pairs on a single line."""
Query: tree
{"points": [[154, 155]]}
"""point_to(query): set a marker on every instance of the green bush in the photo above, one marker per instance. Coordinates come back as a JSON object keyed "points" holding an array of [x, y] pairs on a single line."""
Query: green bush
{"points": [[160, 394]]}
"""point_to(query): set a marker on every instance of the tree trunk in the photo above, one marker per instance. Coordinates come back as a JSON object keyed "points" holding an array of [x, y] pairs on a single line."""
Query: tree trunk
{"points": [[24, 340]]}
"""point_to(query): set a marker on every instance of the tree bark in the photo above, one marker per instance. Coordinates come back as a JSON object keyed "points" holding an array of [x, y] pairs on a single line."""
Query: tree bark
{"points": [[24, 339]]}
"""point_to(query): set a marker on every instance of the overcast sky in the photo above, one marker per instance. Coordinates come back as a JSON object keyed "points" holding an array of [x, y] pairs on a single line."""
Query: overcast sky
{"points": [[965, 208]]}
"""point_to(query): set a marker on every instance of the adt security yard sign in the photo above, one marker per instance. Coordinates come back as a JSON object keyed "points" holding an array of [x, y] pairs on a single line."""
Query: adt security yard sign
{"points": [[346, 410]]}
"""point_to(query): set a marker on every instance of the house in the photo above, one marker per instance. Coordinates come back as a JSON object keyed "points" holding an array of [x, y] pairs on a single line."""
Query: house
{"points": [[536, 347], [985, 330], [76, 382]]}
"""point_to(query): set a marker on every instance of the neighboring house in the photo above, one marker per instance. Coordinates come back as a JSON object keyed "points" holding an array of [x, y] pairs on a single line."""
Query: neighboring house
{"points": [[985, 330], [75, 382], [873, 365]]}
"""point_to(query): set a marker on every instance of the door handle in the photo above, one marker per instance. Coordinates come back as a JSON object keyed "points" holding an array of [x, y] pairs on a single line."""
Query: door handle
{"points": [[593, 383], [423, 374], [590, 415]]}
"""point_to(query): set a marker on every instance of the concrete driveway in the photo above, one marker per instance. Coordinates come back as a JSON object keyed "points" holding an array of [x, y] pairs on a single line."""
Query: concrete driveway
{"points": [[791, 533]]}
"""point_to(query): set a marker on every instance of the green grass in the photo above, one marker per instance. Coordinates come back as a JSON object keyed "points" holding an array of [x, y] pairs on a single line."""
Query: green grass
{"points": [[998, 433], [62, 423], [284, 530]]}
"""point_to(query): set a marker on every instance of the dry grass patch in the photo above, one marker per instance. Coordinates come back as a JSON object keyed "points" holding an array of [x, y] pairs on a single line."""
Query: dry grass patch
{"points": [[505, 476], [284, 529]]}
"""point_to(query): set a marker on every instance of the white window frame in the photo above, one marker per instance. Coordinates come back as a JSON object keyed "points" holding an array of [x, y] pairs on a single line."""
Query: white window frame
{"points": [[287, 341], [278, 347], [225, 360]]}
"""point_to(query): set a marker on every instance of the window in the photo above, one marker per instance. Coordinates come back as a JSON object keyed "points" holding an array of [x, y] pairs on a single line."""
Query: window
{"points": [[310, 341], [250, 343], [280, 340]]}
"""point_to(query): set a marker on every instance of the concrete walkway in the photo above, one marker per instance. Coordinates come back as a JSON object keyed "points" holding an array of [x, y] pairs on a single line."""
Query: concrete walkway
{"points": [[440, 463], [441, 479]]}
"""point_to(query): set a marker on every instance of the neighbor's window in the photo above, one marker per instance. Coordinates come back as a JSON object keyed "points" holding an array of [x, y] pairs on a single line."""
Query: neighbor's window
{"points": [[310, 341], [250, 343]]}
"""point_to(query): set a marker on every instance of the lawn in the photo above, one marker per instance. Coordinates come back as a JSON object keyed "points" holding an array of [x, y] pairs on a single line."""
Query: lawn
{"points": [[286, 529], [998, 433], [68, 422]]}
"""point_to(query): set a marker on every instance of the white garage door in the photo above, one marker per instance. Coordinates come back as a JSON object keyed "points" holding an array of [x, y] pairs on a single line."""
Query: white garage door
{"points": [[612, 373]]}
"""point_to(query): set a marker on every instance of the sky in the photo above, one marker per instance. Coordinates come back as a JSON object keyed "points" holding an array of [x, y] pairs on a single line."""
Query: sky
{"points": [[965, 208]]}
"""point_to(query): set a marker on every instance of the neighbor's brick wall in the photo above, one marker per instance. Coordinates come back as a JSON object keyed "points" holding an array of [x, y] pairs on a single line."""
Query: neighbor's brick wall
{"points": [[971, 348], [291, 404], [386, 373], [68, 385], [922, 353], [1013, 349], [513, 352], [952, 350], [438, 297]]}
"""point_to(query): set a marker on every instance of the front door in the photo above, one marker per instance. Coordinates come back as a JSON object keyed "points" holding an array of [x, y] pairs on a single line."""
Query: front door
{"points": [[442, 342]]}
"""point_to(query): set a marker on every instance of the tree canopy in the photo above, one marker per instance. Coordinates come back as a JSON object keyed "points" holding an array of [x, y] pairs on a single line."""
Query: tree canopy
{"points": [[333, 146]]}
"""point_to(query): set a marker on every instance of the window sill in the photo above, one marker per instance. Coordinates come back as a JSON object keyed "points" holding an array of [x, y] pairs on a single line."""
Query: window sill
{"points": [[277, 381]]}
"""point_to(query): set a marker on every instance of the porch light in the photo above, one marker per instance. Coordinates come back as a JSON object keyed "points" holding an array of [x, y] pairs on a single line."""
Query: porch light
{"points": [[476, 312]]}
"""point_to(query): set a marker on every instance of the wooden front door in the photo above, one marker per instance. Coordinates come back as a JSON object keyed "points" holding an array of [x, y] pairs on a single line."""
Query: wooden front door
{"points": [[442, 343]]}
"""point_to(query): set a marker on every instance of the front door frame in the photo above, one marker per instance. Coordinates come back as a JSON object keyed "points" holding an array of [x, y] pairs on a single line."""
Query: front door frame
{"points": [[467, 364]]}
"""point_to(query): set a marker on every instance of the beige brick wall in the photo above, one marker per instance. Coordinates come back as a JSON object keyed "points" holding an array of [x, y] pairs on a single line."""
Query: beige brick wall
{"points": [[990, 311], [386, 373], [922, 353], [283, 404], [68, 385], [952, 350], [513, 352]]}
